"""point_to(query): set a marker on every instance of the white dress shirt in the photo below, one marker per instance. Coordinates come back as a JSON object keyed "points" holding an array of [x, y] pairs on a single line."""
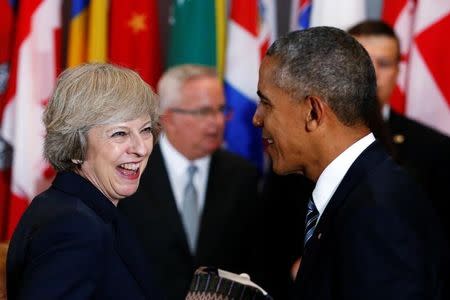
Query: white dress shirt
{"points": [[177, 166], [333, 174]]}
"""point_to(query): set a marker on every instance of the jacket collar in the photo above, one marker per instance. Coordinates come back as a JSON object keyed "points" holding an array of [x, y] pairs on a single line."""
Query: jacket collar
{"points": [[76, 185]]}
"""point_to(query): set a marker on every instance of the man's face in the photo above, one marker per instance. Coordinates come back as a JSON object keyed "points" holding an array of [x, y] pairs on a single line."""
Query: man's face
{"points": [[196, 124], [281, 118], [383, 51]]}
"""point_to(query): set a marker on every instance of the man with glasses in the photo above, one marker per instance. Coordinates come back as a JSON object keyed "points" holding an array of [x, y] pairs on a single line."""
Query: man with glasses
{"points": [[196, 204]]}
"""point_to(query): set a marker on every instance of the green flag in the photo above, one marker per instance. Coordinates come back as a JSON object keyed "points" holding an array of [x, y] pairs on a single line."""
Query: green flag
{"points": [[197, 32]]}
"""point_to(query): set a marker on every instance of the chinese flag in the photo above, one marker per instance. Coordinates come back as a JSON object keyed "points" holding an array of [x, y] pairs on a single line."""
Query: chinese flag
{"points": [[134, 37]]}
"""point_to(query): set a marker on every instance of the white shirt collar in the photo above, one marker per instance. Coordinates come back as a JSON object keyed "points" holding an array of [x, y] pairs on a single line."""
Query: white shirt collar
{"points": [[177, 164], [333, 174]]}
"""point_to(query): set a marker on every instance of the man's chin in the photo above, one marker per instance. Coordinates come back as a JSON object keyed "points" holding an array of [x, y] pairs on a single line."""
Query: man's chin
{"points": [[278, 169], [281, 169]]}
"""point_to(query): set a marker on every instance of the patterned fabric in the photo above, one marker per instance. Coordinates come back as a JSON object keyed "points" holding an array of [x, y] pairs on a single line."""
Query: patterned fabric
{"points": [[208, 285], [312, 215]]}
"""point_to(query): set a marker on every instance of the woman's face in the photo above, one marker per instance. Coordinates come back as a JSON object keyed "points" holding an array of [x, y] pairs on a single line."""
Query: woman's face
{"points": [[117, 155]]}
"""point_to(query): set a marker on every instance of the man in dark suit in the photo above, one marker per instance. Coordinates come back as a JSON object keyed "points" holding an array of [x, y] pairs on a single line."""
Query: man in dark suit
{"points": [[423, 151], [221, 230], [371, 232]]}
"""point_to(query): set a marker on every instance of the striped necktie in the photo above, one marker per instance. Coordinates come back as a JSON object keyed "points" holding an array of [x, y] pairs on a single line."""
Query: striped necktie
{"points": [[312, 215], [190, 213]]}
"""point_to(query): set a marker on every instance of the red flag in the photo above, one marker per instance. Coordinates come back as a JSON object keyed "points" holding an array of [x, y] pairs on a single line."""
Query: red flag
{"points": [[400, 15], [134, 37], [423, 90], [35, 63], [6, 37], [428, 88]]}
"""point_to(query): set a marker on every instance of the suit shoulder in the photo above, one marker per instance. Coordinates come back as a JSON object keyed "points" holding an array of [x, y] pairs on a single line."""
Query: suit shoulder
{"points": [[420, 132], [54, 207]]}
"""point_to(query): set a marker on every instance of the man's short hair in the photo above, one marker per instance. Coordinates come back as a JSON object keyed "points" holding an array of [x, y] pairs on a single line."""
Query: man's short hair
{"points": [[375, 28], [329, 63]]}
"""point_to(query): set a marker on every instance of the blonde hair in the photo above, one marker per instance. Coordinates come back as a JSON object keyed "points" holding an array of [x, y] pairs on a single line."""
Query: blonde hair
{"points": [[90, 95], [171, 82]]}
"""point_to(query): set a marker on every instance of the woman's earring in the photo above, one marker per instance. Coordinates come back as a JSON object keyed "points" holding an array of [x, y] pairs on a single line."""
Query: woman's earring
{"points": [[77, 161]]}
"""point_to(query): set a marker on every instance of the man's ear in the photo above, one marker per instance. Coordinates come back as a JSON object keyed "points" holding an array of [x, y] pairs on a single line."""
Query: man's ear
{"points": [[315, 113], [166, 119]]}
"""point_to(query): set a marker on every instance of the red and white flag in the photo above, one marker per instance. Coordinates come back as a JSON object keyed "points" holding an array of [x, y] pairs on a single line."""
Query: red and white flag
{"points": [[423, 89], [6, 37], [341, 14], [400, 15], [428, 77], [34, 68]]}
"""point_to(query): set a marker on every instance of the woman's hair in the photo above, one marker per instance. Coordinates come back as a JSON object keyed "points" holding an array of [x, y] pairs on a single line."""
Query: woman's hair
{"points": [[90, 95]]}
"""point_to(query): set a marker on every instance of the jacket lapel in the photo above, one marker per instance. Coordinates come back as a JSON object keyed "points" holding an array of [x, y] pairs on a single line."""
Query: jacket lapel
{"points": [[165, 197], [369, 158], [125, 240], [217, 203], [132, 256]]}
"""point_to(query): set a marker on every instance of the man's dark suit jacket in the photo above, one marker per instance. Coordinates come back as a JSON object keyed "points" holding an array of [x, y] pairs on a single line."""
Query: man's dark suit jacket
{"points": [[285, 199], [376, 239], [228, 227], [71, 243], [425, 154]]}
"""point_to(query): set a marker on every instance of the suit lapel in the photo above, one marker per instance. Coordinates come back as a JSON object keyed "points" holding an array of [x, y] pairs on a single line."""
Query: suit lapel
{"points": [[124, 239], [217, 203], [132, 256], [165, 198], [369, 159]]}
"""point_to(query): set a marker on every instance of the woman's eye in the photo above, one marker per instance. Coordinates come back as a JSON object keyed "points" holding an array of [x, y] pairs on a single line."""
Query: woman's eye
{"points": [[147, 130], [119, 134]]}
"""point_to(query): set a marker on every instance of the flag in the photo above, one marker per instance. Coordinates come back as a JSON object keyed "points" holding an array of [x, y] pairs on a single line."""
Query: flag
{"points": [[252, 28], [134, 39], [423, 86], [399, 14], [34, 68], [97, 49], [87, 40], [197, 33], [300, 14], [428, 77], [341, 14], [77, 36], [6, 38]]}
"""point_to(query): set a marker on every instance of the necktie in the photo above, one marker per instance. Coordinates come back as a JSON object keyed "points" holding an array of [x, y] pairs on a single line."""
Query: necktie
{"points": [[312, 215], [190, 209]]}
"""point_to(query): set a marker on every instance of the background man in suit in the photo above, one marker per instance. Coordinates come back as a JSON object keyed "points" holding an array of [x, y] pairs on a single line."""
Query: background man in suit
{"points": [[370, 231], [194, 115], [424, 152]]}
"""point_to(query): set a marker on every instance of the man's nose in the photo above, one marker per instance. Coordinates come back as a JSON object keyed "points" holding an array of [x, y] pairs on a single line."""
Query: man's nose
{"points": [[257, 119]]}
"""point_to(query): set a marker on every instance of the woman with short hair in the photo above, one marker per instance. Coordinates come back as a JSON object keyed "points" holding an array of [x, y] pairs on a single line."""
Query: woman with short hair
{"points": [[72, 243]]}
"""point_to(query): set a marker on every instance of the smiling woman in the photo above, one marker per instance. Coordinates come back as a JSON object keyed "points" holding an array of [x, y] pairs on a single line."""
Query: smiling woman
{"points": [[101, 122]]}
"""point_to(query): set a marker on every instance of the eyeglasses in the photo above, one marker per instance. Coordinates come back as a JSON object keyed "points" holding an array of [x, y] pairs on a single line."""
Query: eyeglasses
{"points": [[204, 112]]}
